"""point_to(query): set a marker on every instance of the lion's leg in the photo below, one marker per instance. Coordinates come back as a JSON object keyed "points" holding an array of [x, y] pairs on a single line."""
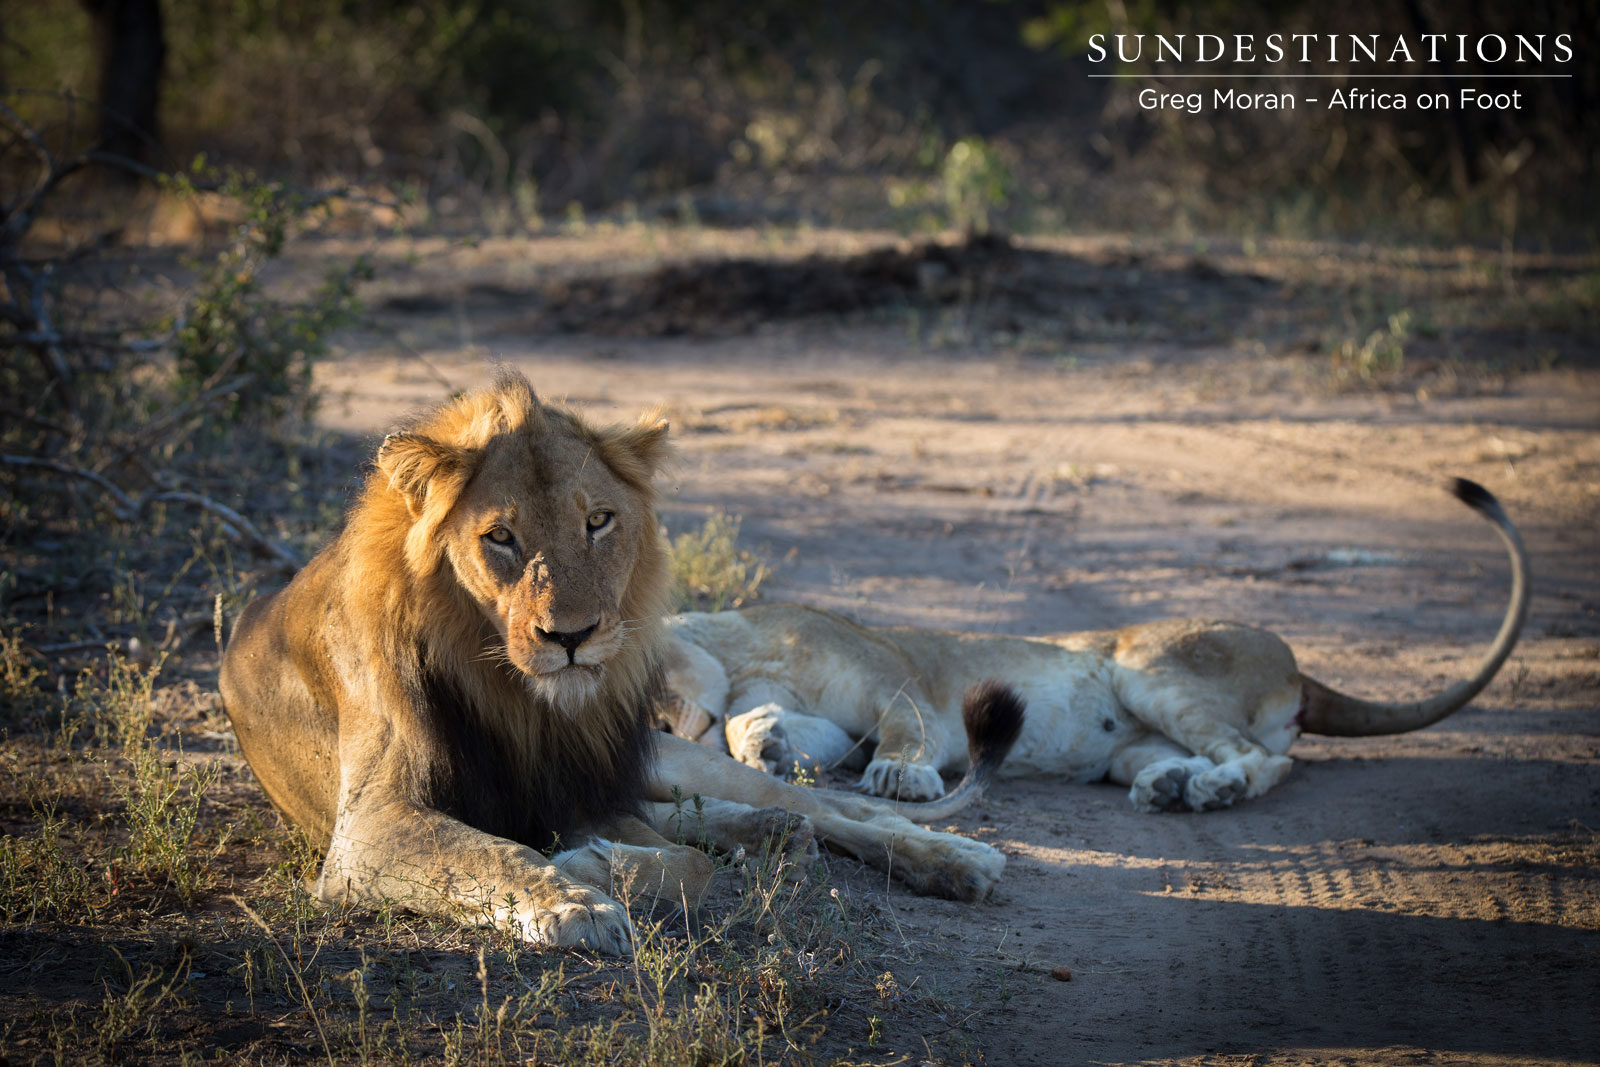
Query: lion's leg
{"points": [[930, 862], [912, 743], [1157, 772], [1244, 768], [1201, 714], [635, 861], [429, 862], [728, 826]]}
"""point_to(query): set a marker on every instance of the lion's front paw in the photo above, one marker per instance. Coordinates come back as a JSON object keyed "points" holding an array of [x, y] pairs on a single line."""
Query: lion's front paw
{"points": [[757, 738], [902, 781], [583, 918]]}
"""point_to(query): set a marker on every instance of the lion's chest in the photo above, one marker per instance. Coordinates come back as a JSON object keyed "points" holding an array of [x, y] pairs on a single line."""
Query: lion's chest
{"points": [[526, 785], [1074, 722]]}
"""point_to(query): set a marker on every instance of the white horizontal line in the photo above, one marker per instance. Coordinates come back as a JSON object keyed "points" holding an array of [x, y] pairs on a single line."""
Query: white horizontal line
{"points": [[1413, 76]]}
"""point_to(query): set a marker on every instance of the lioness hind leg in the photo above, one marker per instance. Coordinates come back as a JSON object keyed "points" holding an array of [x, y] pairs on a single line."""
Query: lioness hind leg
{"points": [[1164, 776], [1164, 784], [786, 743]]}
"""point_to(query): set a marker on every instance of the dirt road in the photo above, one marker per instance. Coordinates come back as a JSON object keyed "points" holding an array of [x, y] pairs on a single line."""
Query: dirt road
{"points": [[1430, 898]]}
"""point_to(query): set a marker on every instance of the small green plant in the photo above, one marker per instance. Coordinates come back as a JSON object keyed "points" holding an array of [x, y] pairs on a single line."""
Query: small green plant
{"points": [[121, 710], [40, 878], [162, 800], [976, 184], [161, 793], [1377, 360], [21, 678], [231, 328], [710, 571]]}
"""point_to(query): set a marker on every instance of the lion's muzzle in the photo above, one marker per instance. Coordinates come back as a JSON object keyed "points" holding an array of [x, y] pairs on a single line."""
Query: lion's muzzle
{"points": [[569, 639]]}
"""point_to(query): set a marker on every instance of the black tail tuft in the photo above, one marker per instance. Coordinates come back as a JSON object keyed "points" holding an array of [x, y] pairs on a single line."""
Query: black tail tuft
{"points": [[1473, 496], [992, 713]]}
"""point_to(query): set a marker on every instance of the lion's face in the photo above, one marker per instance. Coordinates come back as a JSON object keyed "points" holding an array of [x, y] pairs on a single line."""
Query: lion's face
{"points": [[546, 540], [549, 527]]}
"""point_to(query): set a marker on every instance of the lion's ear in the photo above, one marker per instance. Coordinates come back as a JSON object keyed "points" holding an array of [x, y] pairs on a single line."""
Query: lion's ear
{"points": [[413, 463], [648, 441], [635, 453]]}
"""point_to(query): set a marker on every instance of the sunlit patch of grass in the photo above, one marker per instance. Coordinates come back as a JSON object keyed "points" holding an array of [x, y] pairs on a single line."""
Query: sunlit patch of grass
{"points": [[710, 571], [43, 873]]}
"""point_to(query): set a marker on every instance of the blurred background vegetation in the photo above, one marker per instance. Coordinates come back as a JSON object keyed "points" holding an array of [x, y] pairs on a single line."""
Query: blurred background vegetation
{"points": [[904, 114]]}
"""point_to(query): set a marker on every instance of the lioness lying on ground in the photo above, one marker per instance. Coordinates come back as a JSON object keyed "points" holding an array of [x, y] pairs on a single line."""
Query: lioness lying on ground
{"points": [[463, 678], [1190, 714]]}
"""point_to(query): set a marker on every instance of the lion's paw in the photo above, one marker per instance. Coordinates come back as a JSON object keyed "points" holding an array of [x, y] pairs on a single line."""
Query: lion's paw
{"points": [[902, 781], [790, 833], [584, 918], [1163, 785], [1219, 787], [757, 738], [948, 865]]}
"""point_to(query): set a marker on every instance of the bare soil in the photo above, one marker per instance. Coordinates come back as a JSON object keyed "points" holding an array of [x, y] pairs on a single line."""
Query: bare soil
{"points": [[1084, 434]]}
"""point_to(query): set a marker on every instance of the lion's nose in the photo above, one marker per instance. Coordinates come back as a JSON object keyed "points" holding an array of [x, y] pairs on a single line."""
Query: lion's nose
{"points": [[569, 640]]}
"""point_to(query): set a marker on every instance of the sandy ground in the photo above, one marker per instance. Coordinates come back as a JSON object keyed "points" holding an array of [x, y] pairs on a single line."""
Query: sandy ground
{"points": [[1430, 898]]}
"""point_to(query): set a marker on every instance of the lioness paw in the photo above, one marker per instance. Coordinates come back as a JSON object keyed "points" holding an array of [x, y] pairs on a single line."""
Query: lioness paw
{"points": [[1262, 772], [1219, 787], [757, 738], [586, 918], [1163, 785], [902, 781], [790, 835]]}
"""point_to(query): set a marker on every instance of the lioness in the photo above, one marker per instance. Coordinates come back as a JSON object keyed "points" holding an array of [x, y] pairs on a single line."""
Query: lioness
{"points": [[1190, 714], [462, 678]]}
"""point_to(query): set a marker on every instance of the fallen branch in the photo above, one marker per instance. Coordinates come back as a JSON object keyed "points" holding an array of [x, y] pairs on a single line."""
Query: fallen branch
{"points": [[241, 526], [123, 506], [127, 508]]}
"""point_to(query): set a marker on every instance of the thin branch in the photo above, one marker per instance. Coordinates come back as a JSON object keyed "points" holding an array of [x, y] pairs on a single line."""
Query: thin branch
{"points": [[126, 508], [241, 526], [108, 342], [123, 506], [147, 435], [37, 421]]}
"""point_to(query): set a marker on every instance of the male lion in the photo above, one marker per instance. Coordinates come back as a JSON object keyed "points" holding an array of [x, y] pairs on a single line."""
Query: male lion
{"points": [[1188, 713], [463, 678]]}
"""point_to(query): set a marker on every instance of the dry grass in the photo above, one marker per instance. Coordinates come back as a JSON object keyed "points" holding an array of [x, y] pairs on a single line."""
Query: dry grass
{"points": [[153, 908], [710, 571]]}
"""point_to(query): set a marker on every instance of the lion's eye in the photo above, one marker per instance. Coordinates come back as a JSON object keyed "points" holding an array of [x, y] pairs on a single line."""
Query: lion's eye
{"points": [[599, 520], [500, 535]]}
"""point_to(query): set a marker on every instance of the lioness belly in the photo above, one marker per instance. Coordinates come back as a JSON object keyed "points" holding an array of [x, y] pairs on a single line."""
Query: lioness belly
{"points": [[1074, 724]]}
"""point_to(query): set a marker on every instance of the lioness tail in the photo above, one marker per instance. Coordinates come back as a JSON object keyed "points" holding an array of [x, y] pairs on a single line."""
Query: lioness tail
{"points": [[992, 713], [1327, 711]]}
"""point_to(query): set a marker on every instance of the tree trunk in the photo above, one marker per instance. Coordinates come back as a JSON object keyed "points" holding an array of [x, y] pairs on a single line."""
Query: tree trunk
{"points": [[130, 49]]}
